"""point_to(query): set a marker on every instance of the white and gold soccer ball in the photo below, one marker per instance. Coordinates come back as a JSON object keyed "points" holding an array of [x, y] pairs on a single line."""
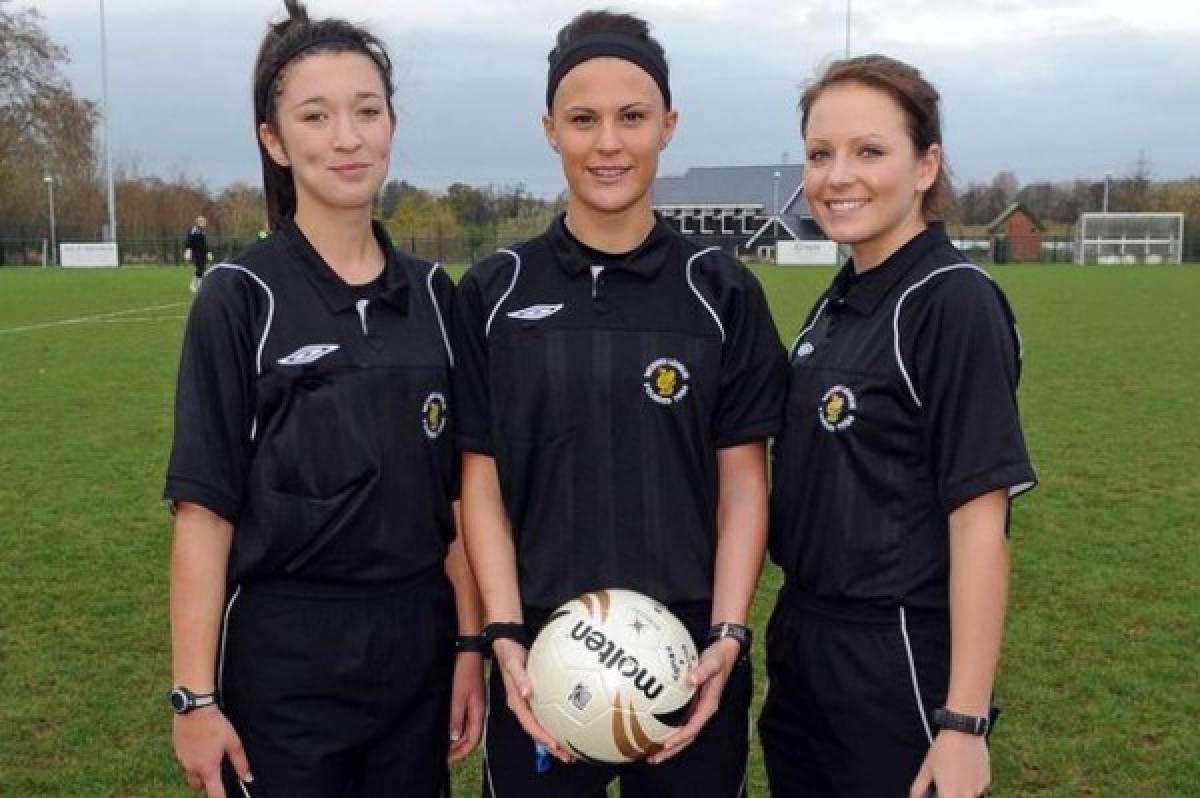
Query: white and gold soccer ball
{"points": [[610, 675]]}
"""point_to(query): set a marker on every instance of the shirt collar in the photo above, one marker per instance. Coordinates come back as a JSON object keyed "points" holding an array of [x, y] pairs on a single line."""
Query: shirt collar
{"points": [[337, 294], [864, 292], [645, 260]]}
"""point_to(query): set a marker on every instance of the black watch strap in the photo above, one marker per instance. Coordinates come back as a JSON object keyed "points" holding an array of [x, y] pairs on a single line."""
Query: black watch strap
{"points": [[743, 634], [471, 644], [968, 724], [517, 632]]}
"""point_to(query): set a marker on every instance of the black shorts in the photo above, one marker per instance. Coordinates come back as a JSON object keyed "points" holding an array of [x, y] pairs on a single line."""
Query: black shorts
{"points": [[340, 691], [713, 765], [851, 692]]}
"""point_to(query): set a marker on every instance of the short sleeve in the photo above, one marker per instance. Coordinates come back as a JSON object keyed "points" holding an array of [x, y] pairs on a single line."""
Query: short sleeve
{"points": [[474, 430], [753, 369], [966, 368], [214, 398]]}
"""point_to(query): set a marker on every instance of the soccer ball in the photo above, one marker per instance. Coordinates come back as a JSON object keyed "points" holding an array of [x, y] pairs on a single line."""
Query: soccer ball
{"points": [[610, 675]]}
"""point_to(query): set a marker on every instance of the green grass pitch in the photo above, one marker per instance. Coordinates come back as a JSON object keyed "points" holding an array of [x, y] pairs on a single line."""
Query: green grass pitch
{"points": [[1099, 679]]}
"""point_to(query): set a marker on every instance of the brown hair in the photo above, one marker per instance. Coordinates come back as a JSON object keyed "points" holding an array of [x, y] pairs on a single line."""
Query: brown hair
{"points": [[286, 42], [593, 34], [916, 97]]}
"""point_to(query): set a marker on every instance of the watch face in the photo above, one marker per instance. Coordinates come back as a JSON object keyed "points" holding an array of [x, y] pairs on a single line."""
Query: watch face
{"points": [[179, 700]]}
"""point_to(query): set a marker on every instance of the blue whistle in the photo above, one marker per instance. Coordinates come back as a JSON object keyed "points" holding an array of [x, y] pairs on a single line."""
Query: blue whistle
{"points": [[541, 758]]}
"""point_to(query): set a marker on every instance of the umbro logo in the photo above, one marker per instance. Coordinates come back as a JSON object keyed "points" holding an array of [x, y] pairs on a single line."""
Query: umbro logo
{"points": [[535, 312], [805, 349], [307, 354]]}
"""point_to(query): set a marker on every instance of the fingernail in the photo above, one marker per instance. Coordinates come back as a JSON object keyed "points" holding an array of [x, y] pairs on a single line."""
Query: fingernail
{"points": [[524, 692], [249, 778], [455, 734]]}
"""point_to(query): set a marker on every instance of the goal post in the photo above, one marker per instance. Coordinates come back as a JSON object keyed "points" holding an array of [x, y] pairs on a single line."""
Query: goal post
{"points": [[1129, 238]]}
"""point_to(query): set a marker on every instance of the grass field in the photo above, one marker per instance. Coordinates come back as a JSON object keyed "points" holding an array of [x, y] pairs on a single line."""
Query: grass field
{"points": [[1100, 678]]}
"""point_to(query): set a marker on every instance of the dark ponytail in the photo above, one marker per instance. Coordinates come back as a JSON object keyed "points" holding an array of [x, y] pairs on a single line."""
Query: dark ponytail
{"points": [[286, 42]]}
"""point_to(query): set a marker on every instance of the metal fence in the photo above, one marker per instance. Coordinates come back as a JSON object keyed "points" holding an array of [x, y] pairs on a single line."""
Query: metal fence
{"points": [[28, 250], [25, 248]]}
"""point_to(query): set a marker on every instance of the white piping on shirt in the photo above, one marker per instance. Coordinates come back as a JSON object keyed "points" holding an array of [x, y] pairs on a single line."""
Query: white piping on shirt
{"points": [[266, 328], [703, 301], [805, 331], [896, 319], [437, 310], [516, 273]]}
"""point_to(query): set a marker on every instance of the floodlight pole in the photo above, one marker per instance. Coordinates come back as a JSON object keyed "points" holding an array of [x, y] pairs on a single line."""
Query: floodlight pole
{"points": [[112, 200], [849, 5], [1107, 180], [49, 181]]}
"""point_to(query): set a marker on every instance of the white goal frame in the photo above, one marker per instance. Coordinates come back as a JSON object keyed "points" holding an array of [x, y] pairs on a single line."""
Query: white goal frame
{"points": [[1144, 237]]}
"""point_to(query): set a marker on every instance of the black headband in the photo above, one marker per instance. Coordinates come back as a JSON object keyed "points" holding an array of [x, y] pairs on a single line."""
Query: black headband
{"points": [[339, 41], [617, 45]]}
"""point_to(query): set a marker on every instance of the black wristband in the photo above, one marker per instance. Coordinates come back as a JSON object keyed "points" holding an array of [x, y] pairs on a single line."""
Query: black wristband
{"points": [[471, 644], [517, 632], [743, 634], [967, 724]]}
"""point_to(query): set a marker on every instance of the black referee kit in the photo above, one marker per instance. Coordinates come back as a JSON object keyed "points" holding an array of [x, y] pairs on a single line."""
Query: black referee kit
{"points": [[901, 408], [603, 385], [314, 416]]}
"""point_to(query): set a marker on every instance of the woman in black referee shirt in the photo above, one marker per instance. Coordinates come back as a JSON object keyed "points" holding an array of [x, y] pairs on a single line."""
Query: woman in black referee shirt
{"points": [[313, 469], [617, 384], [901, 448]]}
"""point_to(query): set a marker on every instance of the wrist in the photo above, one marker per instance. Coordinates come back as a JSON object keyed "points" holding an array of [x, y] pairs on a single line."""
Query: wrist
{"points": [[516, 631], [184, 700], [949, 720], [471, 644], [738, 633]]}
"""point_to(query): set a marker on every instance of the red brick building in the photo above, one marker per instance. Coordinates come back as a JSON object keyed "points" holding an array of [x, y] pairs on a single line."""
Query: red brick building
{"points": [[1016, 235]]}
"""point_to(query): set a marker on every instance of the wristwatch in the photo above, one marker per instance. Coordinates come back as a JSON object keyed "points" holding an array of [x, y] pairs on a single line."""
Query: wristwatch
{"points": [[184, 700], [743, 634], [967, 724]]}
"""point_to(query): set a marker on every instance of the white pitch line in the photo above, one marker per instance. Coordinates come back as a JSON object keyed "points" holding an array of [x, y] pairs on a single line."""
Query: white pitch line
{"points": [[139, 319], [87, 319]]}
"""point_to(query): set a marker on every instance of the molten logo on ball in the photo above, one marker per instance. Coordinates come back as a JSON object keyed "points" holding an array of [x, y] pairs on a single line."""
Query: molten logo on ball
{"points": [[610, 675]]}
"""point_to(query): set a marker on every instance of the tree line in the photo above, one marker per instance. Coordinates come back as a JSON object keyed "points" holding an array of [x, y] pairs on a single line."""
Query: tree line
{"points": [[46, 129]]}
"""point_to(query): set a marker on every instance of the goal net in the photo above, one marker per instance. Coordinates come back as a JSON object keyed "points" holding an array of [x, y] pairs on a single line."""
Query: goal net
{"points": [[1129, 238]]}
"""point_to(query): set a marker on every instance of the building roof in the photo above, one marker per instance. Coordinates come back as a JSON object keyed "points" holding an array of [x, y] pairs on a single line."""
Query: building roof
{"points": [[736, 185], [1012, 208]]}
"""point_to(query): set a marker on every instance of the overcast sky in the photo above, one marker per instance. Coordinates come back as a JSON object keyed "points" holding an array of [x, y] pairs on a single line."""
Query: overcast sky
{"points": [[1048, 89]]}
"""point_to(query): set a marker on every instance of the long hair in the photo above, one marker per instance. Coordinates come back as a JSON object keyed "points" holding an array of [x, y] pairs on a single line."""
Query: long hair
{"points": [[286, 42]]}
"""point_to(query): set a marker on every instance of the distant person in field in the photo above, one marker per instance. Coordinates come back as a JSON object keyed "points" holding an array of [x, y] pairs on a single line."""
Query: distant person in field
{"points": [[900, 452], [196, 250], [617, 386], [323, 616]]}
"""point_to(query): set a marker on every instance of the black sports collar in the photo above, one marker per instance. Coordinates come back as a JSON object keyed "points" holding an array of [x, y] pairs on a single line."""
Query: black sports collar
{"points": [[865, 291], [645, 260], [337, 294]]}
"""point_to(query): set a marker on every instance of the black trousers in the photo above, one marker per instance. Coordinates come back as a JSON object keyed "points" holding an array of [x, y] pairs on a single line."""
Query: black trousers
{"points": [[850, 696], [713, 765], [199, 263], [340, 692]]}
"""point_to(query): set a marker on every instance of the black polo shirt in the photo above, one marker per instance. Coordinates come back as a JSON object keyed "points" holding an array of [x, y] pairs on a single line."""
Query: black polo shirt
{"points": [[603, 386], [902, 406], [312, 414]]}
